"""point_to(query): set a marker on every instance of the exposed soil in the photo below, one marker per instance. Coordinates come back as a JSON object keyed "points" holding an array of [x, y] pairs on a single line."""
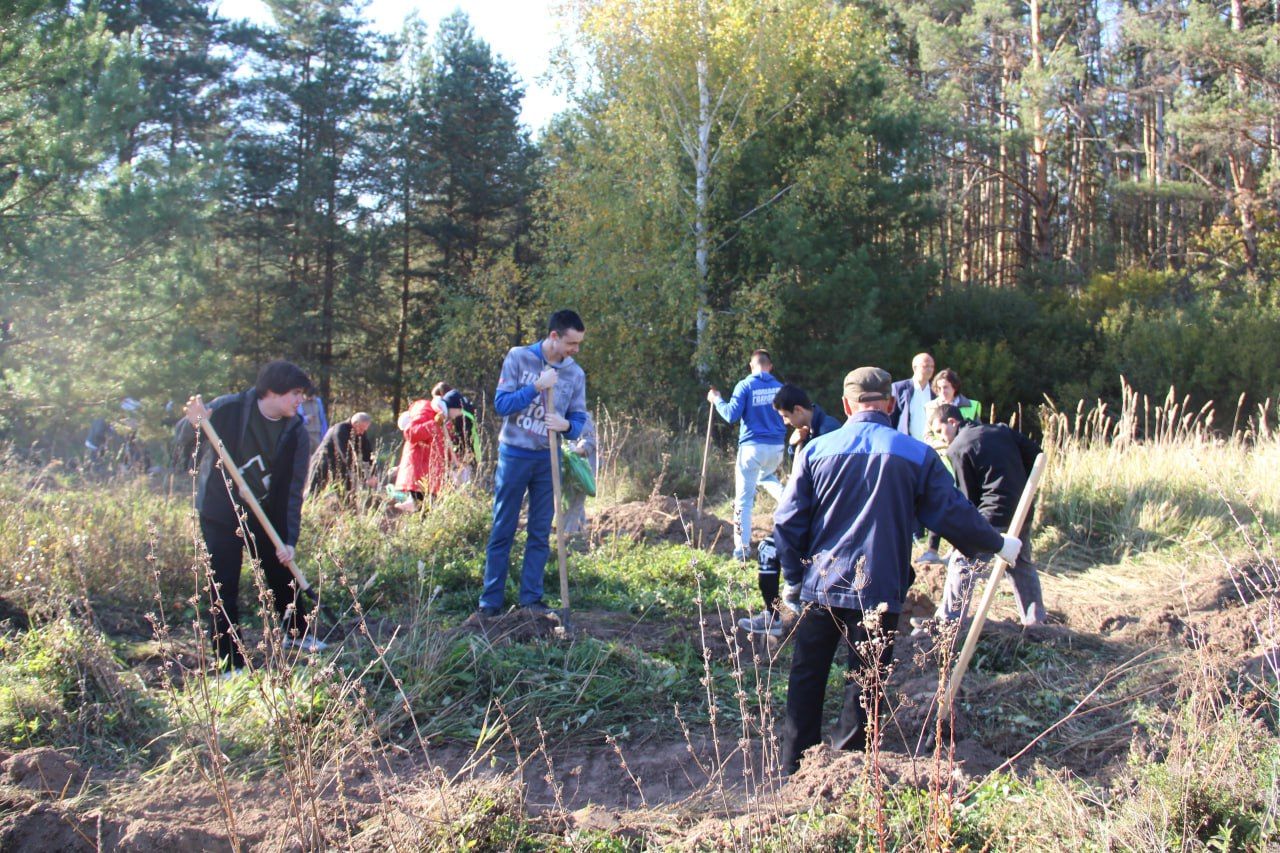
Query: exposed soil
{"points": [[48, 800], [666, 519], [12, 617], [45, 771]]}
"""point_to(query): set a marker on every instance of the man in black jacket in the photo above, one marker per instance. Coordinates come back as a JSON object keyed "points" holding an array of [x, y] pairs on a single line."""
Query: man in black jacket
{"points": [[269, 445], [344, 457], [992, 463]]}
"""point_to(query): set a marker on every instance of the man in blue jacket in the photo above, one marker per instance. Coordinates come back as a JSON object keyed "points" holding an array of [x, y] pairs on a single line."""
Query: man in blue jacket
{"points": [[544, 371], [761, 444], [843, 534]]}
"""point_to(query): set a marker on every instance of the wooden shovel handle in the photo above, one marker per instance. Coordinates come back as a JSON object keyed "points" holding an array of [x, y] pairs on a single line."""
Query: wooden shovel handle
{"points": [[988, 594], [229, 465]]}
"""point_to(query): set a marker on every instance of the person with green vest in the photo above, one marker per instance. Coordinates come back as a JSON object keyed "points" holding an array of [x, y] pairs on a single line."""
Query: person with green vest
{"points": [[946, 389]]}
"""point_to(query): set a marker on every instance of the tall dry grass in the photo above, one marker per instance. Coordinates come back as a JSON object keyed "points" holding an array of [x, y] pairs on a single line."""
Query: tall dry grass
{"points": [[1153, 483]]}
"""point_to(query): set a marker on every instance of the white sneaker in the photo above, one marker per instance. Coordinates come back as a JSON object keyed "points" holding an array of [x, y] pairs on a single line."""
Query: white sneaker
{"points": [[764, 622], [308, 644], [928, 557]]}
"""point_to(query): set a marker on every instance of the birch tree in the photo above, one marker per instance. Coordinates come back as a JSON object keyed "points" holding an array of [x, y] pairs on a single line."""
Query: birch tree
{"points": [[699, 78]]}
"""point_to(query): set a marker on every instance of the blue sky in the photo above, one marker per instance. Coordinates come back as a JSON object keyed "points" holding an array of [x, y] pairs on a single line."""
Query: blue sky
{"points": [[523, 32]]}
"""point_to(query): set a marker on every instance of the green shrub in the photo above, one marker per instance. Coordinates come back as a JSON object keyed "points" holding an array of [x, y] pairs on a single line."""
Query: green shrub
{"points": [[62, 685]]}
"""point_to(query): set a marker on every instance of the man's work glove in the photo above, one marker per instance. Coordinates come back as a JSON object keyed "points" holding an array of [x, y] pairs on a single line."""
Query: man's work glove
{"points": [[791, 598], [1011, 548]]}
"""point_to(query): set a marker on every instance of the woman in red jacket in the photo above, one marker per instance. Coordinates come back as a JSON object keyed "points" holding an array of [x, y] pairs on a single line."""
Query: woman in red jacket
{"points": [[423, 461]]}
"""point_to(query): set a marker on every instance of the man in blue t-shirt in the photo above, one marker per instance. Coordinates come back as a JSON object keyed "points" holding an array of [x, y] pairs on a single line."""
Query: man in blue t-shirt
{"points": [[761, 442]]}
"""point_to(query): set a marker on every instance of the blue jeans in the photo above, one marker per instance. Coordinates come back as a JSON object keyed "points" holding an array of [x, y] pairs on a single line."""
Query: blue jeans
{"points": [[757, 465], [515, 476]]}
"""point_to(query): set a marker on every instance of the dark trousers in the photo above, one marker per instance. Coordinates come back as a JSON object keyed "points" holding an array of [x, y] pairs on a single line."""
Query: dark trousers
{"points": [[820, 632], [226, 553]]}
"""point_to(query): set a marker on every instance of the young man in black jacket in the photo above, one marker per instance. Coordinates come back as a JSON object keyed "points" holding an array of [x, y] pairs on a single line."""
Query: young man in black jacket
{"points": [[992, 463], [269, 444]]}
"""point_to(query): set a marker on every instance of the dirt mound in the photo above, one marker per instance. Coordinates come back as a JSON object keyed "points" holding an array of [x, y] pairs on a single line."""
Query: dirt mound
{"points": [[515, 626], [141, 835], [49, 826], [829, 774], [45, 771], [665, 519]]}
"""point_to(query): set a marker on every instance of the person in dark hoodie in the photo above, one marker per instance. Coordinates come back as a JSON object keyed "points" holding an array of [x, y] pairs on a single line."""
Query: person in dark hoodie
{"points": [[807, 420], [269, 444], [760, 443], [843, 533]]}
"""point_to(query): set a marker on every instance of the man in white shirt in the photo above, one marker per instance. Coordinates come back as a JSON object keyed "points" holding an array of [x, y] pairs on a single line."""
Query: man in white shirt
{"points": [[911, 395]]}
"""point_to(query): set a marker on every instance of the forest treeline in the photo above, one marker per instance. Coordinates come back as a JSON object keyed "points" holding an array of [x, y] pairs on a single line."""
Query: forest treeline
{"points": [[1046, 193]]}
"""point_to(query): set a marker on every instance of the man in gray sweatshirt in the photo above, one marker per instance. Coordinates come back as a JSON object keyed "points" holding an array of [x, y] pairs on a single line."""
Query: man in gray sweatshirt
{"points": [[541, 390]]}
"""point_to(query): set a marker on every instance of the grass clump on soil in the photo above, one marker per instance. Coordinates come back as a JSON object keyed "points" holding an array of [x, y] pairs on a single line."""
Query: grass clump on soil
{"points": [[1153, 479], [665, 579], [353, 542], [463, 686], [61, 684], [63, 539]]}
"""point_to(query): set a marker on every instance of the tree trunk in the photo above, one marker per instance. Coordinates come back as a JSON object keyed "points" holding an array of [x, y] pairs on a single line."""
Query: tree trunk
{"points": [[701, 198], [1243, 176], [329, 285], [402, 327], [1042, 239]]}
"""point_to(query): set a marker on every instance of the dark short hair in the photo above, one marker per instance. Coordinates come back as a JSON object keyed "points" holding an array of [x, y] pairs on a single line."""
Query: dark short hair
{"points": [[950, 375], [564, 320], [948, 412], [281, 377], [763, 356], [440, 389], [790, 396]]}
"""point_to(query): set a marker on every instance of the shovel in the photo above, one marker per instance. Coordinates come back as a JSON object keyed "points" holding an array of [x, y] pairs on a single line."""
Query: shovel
{"points": [[250, 501], [706, 451], [554, 444], [989, 593]]}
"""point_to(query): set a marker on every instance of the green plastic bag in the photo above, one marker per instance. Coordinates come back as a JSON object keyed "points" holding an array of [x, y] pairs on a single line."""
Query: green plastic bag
{"points": [[577, 473]]}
